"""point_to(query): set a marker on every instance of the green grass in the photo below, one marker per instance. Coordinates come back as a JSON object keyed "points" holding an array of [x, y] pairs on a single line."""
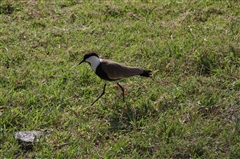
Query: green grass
{"points": [[190, 109]]}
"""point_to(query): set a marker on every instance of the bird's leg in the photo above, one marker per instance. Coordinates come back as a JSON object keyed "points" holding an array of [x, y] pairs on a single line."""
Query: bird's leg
{"points": [[121, 89], [103, 92]]}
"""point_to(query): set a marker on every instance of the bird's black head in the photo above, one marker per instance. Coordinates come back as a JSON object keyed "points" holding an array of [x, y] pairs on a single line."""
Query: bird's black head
{"points": [[86, 56]]}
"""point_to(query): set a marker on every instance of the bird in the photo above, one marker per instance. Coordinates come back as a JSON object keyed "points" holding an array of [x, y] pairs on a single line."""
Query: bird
{"points": [[111, 71]]}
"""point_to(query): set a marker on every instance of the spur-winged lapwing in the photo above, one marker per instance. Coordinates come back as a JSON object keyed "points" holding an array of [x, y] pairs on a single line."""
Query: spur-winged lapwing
{"points": [[112, 71]]}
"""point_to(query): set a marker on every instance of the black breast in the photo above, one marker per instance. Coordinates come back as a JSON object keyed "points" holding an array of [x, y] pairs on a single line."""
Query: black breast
{"points": [[101, 73]]}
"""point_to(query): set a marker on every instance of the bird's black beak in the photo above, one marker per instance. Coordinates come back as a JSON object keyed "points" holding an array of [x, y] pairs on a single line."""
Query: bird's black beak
{"points": [[81, 62]]}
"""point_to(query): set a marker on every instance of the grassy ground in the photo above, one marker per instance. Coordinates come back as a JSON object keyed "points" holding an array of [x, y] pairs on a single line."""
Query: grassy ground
{"points": [[190, 109]]}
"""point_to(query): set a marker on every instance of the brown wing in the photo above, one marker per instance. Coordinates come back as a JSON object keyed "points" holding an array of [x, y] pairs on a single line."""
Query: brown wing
{"points": [[118, 71]]}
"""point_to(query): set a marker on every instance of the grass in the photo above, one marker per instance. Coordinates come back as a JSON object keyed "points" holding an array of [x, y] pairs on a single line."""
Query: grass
{"points": [[190, 109]]}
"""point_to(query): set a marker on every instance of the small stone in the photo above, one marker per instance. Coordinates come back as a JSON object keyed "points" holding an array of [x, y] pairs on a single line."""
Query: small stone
{"points": [[28, 136]]}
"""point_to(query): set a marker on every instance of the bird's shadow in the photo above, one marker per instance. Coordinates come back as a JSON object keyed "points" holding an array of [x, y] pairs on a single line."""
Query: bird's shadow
{"points": [[127, 118]]}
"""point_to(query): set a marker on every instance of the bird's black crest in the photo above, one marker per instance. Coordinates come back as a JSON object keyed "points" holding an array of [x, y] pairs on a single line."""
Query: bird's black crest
{"points": [[89, 55]]}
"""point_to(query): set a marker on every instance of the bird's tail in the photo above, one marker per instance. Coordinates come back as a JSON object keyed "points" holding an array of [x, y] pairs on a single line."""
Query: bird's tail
{"points": [[146, 73]]}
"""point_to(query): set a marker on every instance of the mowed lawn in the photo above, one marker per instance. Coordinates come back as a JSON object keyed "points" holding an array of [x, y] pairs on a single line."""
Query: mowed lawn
{"points": [[190, 108]]}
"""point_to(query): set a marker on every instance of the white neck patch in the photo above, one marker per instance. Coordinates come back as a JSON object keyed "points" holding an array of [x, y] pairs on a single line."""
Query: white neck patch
{"points": [[94, 61]]}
